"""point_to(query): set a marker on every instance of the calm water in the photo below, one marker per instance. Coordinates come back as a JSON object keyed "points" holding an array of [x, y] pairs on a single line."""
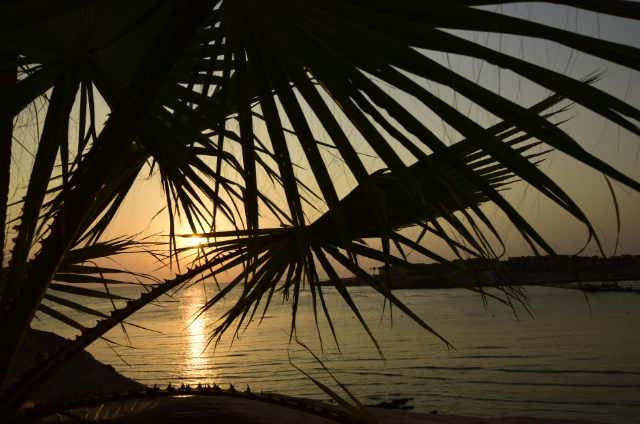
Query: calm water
{"points": [[574, 359]]}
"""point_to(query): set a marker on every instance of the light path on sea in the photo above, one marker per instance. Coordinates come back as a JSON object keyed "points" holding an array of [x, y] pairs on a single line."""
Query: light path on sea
{"points": [[576, 358]]}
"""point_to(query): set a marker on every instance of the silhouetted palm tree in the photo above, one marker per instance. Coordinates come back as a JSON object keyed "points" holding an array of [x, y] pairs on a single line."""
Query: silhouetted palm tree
{"points": [[218, 95]]}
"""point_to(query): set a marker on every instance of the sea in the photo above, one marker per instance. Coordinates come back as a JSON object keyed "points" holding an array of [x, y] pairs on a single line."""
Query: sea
{"points": [[567, 355]]}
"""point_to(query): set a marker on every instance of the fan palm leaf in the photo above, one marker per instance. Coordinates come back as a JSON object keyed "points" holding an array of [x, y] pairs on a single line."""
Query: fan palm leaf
{"points": [[291, 251]]}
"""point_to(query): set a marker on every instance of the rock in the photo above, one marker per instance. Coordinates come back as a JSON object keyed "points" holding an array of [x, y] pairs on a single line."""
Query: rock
{"points": [[81, 376]]}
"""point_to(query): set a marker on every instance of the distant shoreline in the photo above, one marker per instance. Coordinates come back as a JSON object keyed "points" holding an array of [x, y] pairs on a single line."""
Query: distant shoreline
{"points": [[421, 282], [541, 271]]}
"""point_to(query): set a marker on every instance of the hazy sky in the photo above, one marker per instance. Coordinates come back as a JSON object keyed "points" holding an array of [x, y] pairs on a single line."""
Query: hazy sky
{"points": [[616, 146]]}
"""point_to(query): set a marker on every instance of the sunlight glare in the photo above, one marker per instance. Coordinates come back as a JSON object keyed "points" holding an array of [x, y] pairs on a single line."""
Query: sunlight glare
{"points": [[192, 241]]}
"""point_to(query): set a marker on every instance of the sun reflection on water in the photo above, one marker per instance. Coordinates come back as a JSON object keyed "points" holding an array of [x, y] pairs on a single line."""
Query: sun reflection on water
{"points": [[196, 367]]}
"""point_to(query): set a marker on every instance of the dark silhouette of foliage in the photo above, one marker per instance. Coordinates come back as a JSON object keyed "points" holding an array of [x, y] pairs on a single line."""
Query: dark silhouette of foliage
{"points": [[217, 96]]}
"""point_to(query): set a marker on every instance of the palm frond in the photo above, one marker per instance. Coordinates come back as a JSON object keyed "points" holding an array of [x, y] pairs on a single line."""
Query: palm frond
{"points": [[342, 46], [292, 251], [83, 271], [193, 87]]}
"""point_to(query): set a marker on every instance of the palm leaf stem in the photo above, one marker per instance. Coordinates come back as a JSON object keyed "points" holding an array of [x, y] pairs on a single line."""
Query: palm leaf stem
{"points": [[15, 394]]}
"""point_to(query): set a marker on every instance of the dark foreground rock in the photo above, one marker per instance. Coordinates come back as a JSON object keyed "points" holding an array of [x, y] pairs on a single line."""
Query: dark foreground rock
{"points": [[81, 376]]}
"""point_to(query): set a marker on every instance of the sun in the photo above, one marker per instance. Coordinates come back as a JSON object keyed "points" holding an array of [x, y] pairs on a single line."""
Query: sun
{"points": [[191, 241]]}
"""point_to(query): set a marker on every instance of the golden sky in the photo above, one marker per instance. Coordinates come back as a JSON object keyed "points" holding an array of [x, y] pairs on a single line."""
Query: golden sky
{"points": [[615, 145]]}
